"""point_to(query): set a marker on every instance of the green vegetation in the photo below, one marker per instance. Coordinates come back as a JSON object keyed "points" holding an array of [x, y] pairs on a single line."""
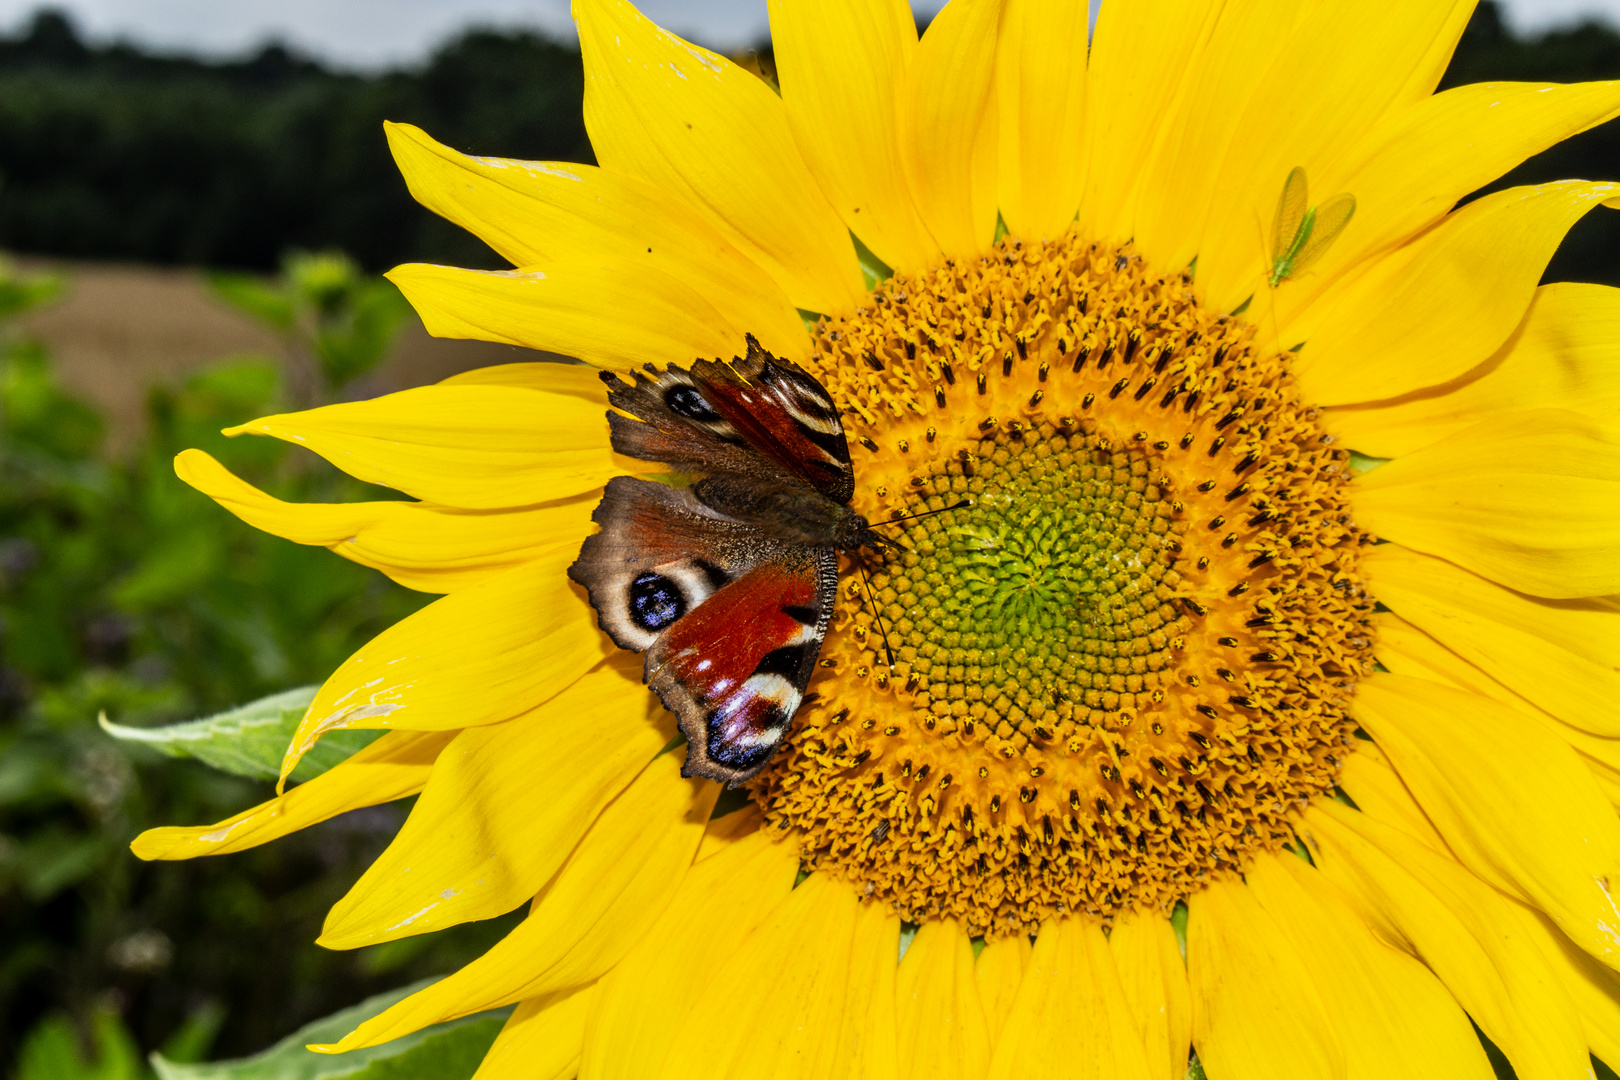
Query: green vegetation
{"points": [[123, 591]]}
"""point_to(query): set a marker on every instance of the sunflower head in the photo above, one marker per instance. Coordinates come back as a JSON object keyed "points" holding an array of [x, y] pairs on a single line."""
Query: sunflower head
{"points": [[1103, 335], [1128, 658]]}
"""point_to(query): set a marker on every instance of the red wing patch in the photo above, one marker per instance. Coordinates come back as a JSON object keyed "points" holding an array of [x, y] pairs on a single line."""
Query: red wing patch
{"points": [[734, 669]]}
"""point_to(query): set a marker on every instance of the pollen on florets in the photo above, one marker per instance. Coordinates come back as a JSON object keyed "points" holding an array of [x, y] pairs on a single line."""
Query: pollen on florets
{"points": [[1124, 663]]}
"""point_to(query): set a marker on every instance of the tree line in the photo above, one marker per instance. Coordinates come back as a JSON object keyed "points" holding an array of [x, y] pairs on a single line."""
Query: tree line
{"points": [[113, 152]]}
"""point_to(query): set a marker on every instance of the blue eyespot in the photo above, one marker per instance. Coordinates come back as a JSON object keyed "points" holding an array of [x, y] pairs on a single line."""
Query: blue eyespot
{"points": [[655, 602]]}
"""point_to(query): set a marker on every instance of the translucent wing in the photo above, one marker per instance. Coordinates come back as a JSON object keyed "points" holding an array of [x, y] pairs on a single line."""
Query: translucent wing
{"points": [[1291, 205], [1331, 218]]}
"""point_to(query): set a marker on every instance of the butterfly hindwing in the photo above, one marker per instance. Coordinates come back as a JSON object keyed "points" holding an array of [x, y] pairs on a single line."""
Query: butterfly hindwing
{"points": [[659, 554], [735, 668]]}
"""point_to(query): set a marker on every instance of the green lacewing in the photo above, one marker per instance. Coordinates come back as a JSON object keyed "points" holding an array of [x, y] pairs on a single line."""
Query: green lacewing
{"points": [[1303, 232]]}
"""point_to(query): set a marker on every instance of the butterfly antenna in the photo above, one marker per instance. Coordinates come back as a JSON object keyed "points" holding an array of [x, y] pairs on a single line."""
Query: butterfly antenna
{"points": [[925, 513], [877, 616]]}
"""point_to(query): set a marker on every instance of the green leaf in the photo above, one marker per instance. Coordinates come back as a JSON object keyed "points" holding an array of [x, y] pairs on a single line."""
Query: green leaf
{"points": [[265, 301], [52, 1051], [249, 740], [448, 1051], [1361, 463]]}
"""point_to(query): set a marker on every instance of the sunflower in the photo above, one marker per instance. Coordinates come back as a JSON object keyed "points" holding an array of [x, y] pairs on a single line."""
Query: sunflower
{"points": [[1253, 683]]}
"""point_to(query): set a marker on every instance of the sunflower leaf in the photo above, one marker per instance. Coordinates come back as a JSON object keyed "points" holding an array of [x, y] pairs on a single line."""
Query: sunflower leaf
{"points": [[249, 740], [448, 1051]]}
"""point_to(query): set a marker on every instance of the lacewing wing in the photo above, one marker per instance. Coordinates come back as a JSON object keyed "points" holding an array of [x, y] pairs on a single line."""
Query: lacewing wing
{"points": [[1301, 233]]}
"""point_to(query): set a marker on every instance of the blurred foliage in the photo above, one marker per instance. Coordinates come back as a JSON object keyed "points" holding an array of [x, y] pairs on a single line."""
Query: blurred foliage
{"points": [[338, 322], [124, 591]]}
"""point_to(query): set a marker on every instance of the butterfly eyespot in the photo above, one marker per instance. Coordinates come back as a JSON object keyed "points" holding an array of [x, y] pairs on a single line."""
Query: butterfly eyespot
{"points": [[688, 402], [655, 602]]}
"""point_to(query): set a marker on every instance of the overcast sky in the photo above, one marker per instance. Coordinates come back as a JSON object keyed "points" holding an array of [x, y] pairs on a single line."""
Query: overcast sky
{"points": [[371, 33]]}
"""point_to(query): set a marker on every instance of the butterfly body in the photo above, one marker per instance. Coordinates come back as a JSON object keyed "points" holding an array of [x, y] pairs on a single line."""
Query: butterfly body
{"points": [[728, 583]]}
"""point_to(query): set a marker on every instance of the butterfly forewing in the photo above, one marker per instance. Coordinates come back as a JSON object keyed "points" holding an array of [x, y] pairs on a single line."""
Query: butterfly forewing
{"points": [[785, 414], [728, 584], [664, 416]]}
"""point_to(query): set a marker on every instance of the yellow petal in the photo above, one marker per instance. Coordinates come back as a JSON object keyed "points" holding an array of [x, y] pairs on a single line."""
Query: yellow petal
{"points": [[432, 548], [1376, 788], [843, 66], [717, 906], [1462, 929], [1040, 98], [1429, 311], [393, 767], [1246, 41], [1562, 356], [1414, 167], [1345, 68], [784, 992], [1394, 1017], [941, 112], [713, 135], [541, 214], [1070, 1020], [604, 899], [576, 308], [1406, 650], [940, 1018], [1141, 56], [1511, 799], [552, 376], [1153, 975], [477, 447], [504, 806], [1528, 501], [487, 653], [1558, 654], [999, 970], [732, 828], [541, 1039], [867, 1042], [1593, 988], [1256, 1010]]}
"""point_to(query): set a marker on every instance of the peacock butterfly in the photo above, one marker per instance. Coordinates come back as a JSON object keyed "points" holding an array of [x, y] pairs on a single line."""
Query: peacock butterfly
{"points": [[727, 583]]}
